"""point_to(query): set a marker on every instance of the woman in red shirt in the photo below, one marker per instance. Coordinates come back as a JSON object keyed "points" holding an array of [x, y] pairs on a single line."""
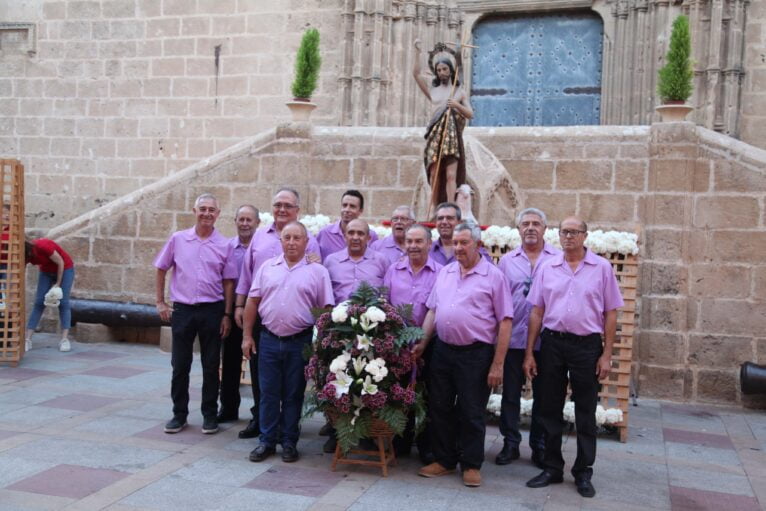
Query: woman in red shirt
{"points": [[56, 269]]}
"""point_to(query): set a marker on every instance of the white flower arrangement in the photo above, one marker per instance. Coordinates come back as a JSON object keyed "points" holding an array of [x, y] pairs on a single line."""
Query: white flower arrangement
{"points": [[604, 416], [340, 312], [314, 223], [375, 370], [381, 230], [599, 241]]}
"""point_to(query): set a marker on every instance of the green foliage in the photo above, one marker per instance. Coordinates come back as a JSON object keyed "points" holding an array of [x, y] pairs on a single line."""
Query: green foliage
{"points": [[349, 434], [675, 77], [307, 63], [394, 417], [409, 335], [366, 295], [405, 311]]}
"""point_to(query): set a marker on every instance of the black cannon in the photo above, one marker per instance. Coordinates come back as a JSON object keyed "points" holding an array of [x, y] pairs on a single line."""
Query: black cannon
{"points": [[115, 313], [752, 378]]}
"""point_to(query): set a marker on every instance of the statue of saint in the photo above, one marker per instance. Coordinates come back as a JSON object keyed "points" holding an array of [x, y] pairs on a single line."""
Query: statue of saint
{"points": [[444, 134]]}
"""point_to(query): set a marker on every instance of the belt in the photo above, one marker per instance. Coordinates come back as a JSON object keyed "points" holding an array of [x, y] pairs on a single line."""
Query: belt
{"points": [[196, 305], [299, 335], [567, 335], [465, 347]]}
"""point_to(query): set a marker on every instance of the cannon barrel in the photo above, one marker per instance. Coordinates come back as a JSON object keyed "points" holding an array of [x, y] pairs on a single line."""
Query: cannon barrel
{"points": [[752, 378], [115, 313]]}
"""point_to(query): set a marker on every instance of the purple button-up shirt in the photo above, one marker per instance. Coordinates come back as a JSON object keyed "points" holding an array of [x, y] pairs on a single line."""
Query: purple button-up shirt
{"points": [[437, 253], [264, 245], [238, 254], [288, 294], [388, 247], [404, 287], [470, 308], [576, 302], [346, 274], [199, 266], [517, 268], [331, 239]]}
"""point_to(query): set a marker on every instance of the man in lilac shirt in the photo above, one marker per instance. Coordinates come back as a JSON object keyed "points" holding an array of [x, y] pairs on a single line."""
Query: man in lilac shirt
{"points": [[265, 245], [575, 297], [356, 264], [201, 291], [409, 282], [393, 245], [246, 221], [333, 237], [284, 291], [471, 308], [520, 266], [448, 215]]}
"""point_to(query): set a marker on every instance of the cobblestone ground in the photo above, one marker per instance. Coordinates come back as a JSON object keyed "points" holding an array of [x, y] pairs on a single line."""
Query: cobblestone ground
{"points": [[83, 431]]}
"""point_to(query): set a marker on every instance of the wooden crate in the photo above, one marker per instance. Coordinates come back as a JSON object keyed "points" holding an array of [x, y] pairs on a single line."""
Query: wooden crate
{"points": [[615, 389], [12, 264]]}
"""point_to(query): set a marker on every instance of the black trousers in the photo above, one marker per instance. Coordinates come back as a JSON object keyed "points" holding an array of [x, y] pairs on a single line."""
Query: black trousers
{"points": [[231, 371], [510, 411], [458, 403], [578, 356], [403, 443], [187, 322]]}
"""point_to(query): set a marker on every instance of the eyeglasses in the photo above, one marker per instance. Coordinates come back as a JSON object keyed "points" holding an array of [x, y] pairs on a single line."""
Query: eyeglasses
{"points": [[569, 233], [284, 205], [527, 285]]}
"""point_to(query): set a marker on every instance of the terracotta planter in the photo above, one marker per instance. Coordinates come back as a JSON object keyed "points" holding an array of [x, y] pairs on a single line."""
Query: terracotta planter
{"points": [[674, 112], [301, 109]]}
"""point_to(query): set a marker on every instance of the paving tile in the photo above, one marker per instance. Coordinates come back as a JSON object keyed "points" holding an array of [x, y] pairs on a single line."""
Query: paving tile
{"points": [[697, 438], [22, 373], [124, 458], [117, 426], [7, 434], [296, 481], [173, 493], [14, 469], [80, 402], [149, 410], [121, 372], [36, 416], [31, 395], [631, 482], [699, 479], [71, 481], [388, 494], [687, 499], [245, 499], [106, 386], [100, 355], [223, 471], [190, 435], [23, 501], [700, 454]]}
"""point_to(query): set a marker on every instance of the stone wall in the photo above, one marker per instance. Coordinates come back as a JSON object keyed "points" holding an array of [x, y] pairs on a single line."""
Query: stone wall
{"points": [[696, 197], [753, 124]]}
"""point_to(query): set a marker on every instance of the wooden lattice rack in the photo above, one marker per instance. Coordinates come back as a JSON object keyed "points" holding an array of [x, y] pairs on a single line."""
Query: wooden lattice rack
{"points": [[615, 389], [12, 264]]}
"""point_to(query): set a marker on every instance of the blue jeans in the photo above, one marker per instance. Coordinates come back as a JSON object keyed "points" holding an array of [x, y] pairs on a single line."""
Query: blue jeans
{"points": [[44, 283], [283, 384]]}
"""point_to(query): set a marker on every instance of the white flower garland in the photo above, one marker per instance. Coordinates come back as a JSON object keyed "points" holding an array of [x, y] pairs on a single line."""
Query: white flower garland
{"points": [[604, 416], [601, 242]]}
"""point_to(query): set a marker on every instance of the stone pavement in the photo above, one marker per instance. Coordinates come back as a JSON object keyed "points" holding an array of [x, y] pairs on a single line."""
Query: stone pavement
{"points": [[83, 431]]}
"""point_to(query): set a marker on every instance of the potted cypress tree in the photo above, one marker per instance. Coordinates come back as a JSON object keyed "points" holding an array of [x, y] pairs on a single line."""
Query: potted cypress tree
{"points": [[307, 62], [675, 77]]}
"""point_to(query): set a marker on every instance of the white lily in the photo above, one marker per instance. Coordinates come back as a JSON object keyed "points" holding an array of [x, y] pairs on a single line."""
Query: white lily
{"points": [[374, 314], [340, 312], [359, 365], [340, 362], [368, 387], [363, 342], [354, 321], [342, 383]]}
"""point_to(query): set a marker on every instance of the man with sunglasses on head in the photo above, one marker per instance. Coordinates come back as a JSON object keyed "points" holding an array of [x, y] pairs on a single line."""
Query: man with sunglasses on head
{"points": [[575, 297], [266, 243], [520, 266]]}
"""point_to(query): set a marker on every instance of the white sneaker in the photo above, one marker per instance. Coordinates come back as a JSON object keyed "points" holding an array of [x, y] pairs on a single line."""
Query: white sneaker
{"points": [[28, 346], [64, 345]]}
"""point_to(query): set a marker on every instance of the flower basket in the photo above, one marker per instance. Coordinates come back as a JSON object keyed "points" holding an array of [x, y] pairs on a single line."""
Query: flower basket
{"points": [[361, 370]]}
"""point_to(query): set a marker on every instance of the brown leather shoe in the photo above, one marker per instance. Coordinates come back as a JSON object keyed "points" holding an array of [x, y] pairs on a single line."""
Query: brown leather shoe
{"points": [[435, 469], [472, 477]]}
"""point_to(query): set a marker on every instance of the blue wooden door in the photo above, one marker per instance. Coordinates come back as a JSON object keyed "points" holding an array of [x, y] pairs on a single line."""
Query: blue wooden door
{"points": [[542, 70]]}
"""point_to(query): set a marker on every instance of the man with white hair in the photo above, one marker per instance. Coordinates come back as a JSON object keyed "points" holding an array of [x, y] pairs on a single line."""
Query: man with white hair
{"points": [[471, 308], [201, 290], [393, 245], [520, 266]]}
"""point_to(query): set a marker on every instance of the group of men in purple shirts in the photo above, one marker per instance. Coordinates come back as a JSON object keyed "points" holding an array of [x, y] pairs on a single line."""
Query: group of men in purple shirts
{"points": [[541, 313]]}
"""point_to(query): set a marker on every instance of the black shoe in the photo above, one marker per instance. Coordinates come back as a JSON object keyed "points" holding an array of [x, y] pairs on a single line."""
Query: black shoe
{"points": [[584, 487], [261, 452], [326, 430], [209, 425], [290, 454], [537, 458], [175, 425], [543, 479], [507, 455], [330, 444], [227, 417], [251, 431]]}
